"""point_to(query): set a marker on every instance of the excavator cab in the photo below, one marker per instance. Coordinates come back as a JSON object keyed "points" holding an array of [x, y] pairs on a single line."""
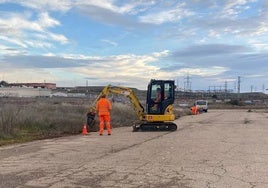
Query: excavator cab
{"points": [[160, 115], [160, 94]]}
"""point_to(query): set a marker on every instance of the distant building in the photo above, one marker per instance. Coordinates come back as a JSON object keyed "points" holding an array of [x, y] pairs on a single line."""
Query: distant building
{"points": [[24, 92], [34, 85]]}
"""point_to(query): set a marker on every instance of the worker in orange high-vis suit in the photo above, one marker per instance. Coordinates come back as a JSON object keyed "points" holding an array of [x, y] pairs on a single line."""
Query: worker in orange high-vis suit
{"points": [[194, 110], [103, 108]]}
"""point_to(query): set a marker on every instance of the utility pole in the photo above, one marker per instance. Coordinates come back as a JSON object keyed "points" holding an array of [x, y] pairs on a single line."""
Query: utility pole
{"points": [[238, 87], [187, 83], [225, 86], [238, 84], [225, 89]]}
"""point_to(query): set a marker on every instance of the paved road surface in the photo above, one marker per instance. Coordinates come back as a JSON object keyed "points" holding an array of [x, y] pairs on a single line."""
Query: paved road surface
{"points": [[221, 148]]}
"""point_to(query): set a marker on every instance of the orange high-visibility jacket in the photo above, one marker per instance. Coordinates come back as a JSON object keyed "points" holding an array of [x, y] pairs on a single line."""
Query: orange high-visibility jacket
{"points": [[103, 107], [194, 109]]}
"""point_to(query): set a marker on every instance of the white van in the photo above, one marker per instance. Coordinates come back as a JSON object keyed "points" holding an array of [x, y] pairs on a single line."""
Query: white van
{"points": [[202, 105]]}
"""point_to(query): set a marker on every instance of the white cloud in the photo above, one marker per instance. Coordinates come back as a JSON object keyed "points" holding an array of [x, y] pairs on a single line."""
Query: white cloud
{"points": [[161, 54], [132, 8], [20, 22], [82, 57], [106, 4], [171, 15], [213, 34], [7, 50], [23, 30], [235, 7], [16, 23], [262, 28], [58, 37], [50, 54], [45, 5], [234, 3], [13, 41], [109, 42], [45, 21], [38, 44], [258, 44]]}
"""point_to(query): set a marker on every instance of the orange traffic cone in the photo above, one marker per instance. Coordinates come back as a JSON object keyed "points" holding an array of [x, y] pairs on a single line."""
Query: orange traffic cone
{"points": [[84, 131]]}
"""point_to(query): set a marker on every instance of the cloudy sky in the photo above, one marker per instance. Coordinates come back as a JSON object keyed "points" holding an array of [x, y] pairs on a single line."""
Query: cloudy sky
{"points": [[129, 42]]}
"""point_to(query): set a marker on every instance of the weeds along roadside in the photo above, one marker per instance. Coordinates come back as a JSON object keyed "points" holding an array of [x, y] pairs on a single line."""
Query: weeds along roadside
{"points": [[30, 119]]}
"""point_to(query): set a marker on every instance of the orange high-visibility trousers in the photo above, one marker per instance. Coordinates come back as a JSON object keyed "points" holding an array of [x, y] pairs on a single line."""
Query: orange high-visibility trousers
{"points": [[105, 119]]}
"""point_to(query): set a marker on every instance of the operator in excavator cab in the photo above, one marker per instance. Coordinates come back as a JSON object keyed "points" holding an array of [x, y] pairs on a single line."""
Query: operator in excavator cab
{"points": [[157, 99], [158, 95]]}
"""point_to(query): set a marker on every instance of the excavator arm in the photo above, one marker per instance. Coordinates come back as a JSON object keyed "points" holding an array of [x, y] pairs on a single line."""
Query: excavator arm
{"points": [[127, 92]]}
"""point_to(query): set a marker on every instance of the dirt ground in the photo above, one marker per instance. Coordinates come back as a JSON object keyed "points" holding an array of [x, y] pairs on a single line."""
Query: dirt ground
{"points": [[221, 148]]}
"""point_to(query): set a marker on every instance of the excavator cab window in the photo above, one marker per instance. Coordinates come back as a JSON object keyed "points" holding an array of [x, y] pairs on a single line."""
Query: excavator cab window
{"points": [[160, 95], [155, 98]]}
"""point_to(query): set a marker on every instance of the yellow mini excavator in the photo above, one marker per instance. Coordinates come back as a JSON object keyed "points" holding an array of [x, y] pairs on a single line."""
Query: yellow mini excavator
{"points": [[159, 114]]}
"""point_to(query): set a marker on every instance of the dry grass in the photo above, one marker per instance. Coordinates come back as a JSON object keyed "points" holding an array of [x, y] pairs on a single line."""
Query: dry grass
{"points": [[123, 115], [8, 119], [40, 120], [46, 118]]}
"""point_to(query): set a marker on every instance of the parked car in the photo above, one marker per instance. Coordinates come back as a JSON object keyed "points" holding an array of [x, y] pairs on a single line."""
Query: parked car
{"points": [[202, 105]]}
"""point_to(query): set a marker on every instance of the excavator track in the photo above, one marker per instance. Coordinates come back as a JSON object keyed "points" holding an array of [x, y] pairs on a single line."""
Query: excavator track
{"points": [[155, 126]]}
